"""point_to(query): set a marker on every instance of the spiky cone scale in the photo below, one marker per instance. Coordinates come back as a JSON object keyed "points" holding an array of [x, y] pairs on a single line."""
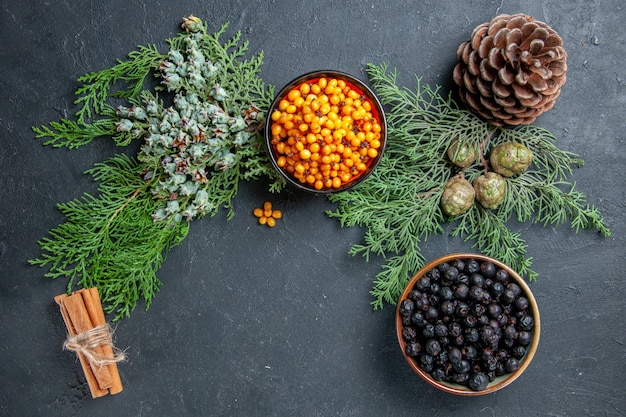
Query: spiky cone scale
{"points": [[511, 70]]}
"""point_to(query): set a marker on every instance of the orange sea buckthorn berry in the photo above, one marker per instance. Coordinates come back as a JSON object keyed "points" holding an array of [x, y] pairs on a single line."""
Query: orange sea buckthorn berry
{"points": [[305, 154], [324, 133], [291, 96], [282, 104], [276, 129], [298, 102], [300, 168], [353, 94]]}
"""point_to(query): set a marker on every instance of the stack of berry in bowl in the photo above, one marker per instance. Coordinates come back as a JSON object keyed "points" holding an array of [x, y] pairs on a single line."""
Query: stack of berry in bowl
{"points": [[326, 132], [468, 324]]}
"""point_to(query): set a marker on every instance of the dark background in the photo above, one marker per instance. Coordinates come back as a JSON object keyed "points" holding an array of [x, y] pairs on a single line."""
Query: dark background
{"points": [[252, 321]]}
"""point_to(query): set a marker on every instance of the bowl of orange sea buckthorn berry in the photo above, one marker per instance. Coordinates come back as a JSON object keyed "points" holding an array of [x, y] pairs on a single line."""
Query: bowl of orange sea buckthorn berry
{"points": [[326, 132]]}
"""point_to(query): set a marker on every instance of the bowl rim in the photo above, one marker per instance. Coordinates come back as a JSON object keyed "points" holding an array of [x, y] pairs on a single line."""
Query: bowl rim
{"points": [[499, 382], [365, 89]]}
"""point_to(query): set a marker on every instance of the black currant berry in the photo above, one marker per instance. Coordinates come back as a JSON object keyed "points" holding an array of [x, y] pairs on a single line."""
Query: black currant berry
{"points": [[413, 349], [487, 269], [478, 381]]}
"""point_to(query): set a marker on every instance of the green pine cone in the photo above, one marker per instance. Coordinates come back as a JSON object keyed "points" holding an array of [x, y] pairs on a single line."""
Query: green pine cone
{"points": [[457, 197], [510, 158], [490, 189], [463, 156]]}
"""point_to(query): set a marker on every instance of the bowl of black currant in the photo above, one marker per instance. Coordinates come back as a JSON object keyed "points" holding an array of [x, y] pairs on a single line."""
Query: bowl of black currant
{"points": [[468, 324]]}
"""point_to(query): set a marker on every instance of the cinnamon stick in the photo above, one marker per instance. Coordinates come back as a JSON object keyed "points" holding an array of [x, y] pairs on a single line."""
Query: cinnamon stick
{"points": [[96, 314], [80, 318], [92, 382], [82, 312]]}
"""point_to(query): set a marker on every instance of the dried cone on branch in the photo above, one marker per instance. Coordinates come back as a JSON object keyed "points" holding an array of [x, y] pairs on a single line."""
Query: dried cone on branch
{"points": [[511, 70]]}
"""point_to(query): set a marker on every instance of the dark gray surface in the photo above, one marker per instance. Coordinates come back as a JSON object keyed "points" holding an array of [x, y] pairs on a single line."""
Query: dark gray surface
{"points": [[258, 322]]}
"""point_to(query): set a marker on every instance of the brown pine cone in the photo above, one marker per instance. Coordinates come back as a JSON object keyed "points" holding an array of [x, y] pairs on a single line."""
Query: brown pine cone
{"points": [[511, 70]]}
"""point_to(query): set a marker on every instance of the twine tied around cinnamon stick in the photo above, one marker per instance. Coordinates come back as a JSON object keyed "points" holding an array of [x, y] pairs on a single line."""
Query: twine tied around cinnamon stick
{"points": [[91, 337], [88, 342]]}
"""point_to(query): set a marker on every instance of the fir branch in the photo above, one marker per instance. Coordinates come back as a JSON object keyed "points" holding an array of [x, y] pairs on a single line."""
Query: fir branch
{"points": [[395, 274], [72, 134], [493, 238], [118, 240], [557, 203], [399, 204], [555, 164], [95, 117], [96, 89], [111, 242]]}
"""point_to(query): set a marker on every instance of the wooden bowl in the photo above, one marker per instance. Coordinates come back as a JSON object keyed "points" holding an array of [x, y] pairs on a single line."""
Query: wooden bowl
{"points": [[500, 381], [377, 113]]}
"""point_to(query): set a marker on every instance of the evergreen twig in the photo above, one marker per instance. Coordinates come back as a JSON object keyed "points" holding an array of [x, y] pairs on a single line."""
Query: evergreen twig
{"points": [[110, 241], [115, 241], [399, 204]]}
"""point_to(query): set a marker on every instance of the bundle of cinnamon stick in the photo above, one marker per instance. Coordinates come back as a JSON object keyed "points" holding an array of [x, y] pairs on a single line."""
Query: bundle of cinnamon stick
{"points": [[90, 337]]}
